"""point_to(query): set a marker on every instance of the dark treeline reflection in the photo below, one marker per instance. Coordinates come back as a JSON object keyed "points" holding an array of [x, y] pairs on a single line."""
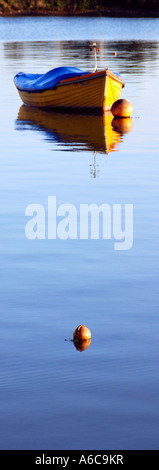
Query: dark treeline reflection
{"points": [[130, 54], [134, 54]]}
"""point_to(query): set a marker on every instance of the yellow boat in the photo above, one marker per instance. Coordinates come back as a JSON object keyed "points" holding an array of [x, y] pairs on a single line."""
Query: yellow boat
{"points": [[70, 88], [81, 131]]}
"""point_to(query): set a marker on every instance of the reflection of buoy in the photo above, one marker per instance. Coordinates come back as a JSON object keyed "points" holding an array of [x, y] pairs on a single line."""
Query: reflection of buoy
{"points": [[81, 332], [82, 344], [123, 126], [122, 108]]}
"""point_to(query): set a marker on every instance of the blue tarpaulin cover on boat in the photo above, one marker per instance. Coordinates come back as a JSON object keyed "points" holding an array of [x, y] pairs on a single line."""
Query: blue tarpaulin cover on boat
{"points": [[46, 81]]}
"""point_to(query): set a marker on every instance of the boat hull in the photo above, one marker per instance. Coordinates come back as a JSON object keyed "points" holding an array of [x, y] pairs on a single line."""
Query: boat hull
{"points": [[95, 91]]}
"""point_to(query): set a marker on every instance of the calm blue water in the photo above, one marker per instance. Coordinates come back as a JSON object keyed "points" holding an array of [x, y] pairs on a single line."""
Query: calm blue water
{"points": [[61, 28], [51, 395]]}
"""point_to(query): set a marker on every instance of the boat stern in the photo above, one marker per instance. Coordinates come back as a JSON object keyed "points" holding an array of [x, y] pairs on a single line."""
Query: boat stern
{"points": [[114, 85]]}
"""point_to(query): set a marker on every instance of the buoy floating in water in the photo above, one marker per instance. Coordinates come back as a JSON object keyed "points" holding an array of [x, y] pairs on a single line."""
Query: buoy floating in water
{"points": [[81, 333], [122, 108], [81, 338]]}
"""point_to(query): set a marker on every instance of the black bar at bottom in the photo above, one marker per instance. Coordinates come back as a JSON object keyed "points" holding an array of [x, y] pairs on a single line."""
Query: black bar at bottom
{"points": [[78, 459]]}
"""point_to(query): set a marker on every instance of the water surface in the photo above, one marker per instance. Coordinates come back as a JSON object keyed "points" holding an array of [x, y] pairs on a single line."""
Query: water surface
{"points": [[53, 396]]}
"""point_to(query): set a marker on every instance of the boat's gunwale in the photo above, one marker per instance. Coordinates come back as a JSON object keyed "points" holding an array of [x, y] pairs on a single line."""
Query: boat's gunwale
{"points": [[92, 75]]}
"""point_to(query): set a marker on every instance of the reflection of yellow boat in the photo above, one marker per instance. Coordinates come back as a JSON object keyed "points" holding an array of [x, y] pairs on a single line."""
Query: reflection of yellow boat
{"points": [[72, 88], [90, 132]]}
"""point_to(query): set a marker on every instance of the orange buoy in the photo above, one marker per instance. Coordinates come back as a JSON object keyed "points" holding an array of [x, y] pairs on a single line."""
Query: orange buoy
{"points": [[81, 332], [115, 53], [122, 108]]}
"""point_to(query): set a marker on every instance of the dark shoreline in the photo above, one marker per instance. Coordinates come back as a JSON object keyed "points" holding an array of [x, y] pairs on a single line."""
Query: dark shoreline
{"points": [[115, 12]]}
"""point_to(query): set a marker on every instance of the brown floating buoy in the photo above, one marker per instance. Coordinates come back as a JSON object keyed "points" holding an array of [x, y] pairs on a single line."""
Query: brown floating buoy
{"points": [[81, 332], [122, 108]]}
